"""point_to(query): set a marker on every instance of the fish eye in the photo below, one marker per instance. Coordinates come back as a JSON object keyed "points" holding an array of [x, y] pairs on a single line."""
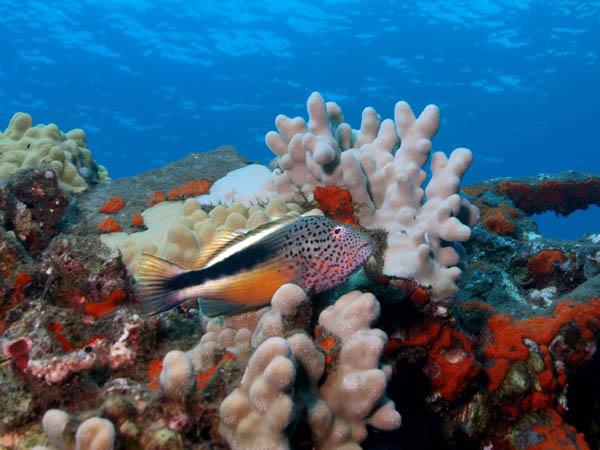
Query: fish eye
{"points": [[338, 230]]}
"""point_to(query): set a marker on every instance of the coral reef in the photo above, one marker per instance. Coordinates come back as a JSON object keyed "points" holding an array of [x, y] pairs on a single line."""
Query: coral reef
{"points": [[282, 378], [82, 273], [24, 146], [403, 355]]}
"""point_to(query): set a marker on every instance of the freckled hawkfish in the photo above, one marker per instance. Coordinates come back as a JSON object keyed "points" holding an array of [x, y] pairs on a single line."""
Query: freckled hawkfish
{"points": [[241, 271]]}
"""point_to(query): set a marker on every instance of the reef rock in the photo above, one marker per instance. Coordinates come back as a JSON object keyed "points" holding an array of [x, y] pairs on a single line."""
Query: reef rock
{"points": [[35, 207], [141, 191]]}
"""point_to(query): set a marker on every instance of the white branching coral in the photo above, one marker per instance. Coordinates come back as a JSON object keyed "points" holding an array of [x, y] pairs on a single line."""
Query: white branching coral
{"points": [[381, 166], [338, 406], [256, 413], [355, 389]]}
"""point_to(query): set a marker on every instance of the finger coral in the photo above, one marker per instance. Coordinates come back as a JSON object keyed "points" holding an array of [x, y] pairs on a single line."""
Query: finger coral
{"points": [[256, 413], [381, 166], [355, 389], [352, 394]]}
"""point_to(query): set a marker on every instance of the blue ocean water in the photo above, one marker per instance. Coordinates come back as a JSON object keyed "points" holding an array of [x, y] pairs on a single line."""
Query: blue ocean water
{"points": [[150, 81]]}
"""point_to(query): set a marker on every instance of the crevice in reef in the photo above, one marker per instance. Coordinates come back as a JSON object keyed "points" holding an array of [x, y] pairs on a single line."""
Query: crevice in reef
{"points": [[583, 401]]}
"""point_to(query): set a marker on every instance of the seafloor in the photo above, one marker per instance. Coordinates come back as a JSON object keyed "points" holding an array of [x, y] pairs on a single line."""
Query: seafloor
{"points": [[508, 362]]}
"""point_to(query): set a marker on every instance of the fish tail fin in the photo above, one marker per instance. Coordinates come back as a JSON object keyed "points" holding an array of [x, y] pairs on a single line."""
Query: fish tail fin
{"points": [[153, 275]]}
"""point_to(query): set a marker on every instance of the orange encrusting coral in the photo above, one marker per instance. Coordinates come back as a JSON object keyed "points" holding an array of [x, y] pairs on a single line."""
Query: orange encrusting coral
{"points": [[545, 263], [92, 340], [155, 198], [153, 372], [57, 332], [500, 220], [109, 225], [22, 279], [328, 344], [190, 189], [17, 295], [204, 378], [113, 205], [336, 203], [417, 337], [99, 309], [451, 365], [506, 335], [563, 197], [420, 296], [137, 221], [558, 435]]}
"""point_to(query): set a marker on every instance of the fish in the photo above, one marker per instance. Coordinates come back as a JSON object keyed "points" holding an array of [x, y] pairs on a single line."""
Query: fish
{"points": [[241, 270]]}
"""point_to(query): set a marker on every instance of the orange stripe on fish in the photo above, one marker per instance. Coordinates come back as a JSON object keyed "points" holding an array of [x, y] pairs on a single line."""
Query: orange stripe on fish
{"points": [[252, 286]]}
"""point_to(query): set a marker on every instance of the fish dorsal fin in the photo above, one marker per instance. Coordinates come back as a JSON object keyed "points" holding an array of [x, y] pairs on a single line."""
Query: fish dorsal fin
{"points": [[225, 239], [313, 212], [221, 240]]}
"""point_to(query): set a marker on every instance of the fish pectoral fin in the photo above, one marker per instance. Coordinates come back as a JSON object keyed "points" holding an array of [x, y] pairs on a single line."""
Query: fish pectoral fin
{"points": [[213, 308], [152, 275], [221, 240]]}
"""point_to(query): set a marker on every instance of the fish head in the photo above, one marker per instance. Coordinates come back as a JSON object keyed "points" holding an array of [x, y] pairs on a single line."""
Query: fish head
{"points": [[330, 252]]}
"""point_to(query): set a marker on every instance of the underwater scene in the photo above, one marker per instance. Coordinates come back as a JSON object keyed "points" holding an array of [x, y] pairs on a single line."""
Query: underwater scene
{"points": [[300, 225]]}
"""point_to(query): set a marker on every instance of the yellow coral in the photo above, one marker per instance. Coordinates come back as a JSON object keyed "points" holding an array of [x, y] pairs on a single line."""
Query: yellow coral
{"points": [[25, 146], [178, 230]]}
